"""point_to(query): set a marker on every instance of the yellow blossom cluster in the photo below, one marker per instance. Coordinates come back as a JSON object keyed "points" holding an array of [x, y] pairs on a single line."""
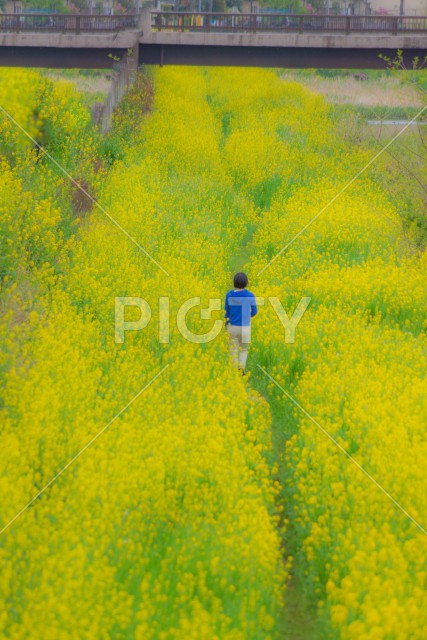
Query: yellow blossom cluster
{"points": [[19, 96], [166, 526], [357, 367], [36, 213]]}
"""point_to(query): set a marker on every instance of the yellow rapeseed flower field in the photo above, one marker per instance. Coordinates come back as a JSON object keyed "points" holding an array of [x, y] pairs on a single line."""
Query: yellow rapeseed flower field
{"points": [[172, 524]]}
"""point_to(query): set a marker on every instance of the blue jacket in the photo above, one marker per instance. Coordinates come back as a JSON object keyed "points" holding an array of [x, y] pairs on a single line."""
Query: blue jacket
{"points": [[240, 307]]}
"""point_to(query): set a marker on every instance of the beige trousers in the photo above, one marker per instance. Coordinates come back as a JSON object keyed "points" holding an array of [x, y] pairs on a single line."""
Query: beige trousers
{"points": [[238, 342]]}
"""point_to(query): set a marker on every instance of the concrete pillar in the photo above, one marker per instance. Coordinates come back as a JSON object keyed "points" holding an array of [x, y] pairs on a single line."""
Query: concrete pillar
{"points": [[131, 64], [145, 21]]}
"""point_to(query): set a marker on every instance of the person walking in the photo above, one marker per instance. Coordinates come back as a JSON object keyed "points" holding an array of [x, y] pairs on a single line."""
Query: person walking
{"points": [[240, 306]]}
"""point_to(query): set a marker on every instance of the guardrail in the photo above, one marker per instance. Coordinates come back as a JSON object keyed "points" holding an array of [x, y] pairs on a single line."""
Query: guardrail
{"points": [[290, 23], [66, 23]]}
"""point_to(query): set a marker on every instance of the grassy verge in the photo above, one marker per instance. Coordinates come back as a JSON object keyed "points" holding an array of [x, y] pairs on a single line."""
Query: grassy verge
{"points": [[93, 84]]}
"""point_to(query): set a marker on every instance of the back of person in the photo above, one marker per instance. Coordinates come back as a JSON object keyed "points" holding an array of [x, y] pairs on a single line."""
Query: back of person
{"points": [[241, 304], [240, 307]]}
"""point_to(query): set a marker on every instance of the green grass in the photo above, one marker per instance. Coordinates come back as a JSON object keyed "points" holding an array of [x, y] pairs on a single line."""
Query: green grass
{"points": [[299, 616], [378, 112]]}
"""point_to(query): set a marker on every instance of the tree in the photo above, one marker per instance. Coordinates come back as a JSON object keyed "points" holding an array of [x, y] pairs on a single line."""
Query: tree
{"points": [[235, 3], [57, 5], [293, 6]]}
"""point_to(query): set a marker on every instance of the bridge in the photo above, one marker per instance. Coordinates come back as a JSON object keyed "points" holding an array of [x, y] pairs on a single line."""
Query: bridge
{"points": [[198, 38]]}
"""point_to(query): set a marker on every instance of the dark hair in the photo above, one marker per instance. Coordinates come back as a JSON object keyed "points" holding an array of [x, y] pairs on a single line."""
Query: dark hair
{"points": [[240, 280]]}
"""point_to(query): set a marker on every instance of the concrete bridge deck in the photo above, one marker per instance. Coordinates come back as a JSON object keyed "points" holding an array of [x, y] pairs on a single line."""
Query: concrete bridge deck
{"points": [[293, 41]]}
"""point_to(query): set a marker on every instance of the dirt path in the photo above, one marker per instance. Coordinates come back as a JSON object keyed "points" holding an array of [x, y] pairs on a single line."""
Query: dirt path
{"points": [[299, 621]]}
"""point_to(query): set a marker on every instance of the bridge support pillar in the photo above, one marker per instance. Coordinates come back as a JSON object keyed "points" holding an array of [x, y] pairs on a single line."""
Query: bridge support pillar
{"points": [[124, 77], [131, 63]]}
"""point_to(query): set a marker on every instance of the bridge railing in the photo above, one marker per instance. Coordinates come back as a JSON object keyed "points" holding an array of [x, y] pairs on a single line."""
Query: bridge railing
{"points": [[66, 23], [290, 23]]}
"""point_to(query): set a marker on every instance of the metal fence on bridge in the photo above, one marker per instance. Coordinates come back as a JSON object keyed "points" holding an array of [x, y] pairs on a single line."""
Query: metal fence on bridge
{"points": [[66, 23], [214, 22], [290, 23]]}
